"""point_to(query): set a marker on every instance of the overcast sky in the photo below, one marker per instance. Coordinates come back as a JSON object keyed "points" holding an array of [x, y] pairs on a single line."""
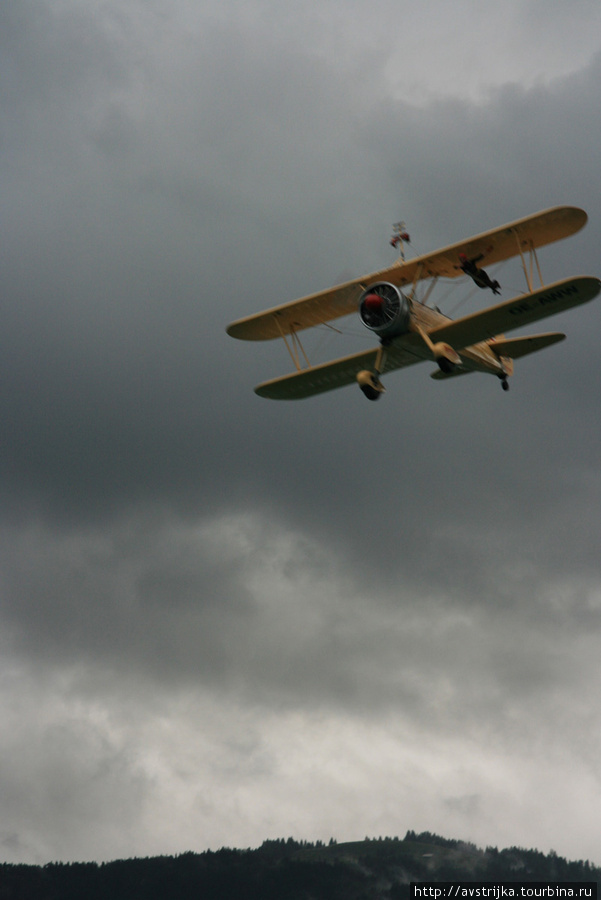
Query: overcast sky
{"points": [[225, 619]]}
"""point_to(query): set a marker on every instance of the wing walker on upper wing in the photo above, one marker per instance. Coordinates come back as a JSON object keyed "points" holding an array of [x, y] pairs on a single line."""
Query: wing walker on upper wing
{"points": [[410, 331]]}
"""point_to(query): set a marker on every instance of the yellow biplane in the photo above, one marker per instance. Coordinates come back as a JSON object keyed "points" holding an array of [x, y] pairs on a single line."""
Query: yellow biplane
{"points": [[410, 331]]}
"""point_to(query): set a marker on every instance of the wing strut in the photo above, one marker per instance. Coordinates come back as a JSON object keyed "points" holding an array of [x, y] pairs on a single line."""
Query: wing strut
{"points": [[416, 279], [533, 259], [295, 348], [430, 288]]}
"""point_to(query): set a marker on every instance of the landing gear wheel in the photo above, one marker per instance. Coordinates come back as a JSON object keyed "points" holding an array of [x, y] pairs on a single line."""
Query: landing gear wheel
{"points": [[504, 384], [370, 384]]}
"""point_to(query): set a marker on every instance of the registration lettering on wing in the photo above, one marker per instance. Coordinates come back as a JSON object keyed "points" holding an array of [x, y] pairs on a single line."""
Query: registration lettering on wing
{"points": [[527, 304]]}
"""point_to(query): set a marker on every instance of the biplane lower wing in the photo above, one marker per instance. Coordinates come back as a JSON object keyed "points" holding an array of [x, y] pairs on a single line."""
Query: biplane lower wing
{"points": [[519, 311], [410, 348], [407, 351]]}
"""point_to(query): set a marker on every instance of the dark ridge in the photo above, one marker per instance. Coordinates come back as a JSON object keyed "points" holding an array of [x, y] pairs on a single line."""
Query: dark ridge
{"points": [[373, 869]]}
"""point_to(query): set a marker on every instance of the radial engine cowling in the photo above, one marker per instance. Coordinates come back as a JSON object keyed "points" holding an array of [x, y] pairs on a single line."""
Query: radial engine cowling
{"points": [[385, 310]]}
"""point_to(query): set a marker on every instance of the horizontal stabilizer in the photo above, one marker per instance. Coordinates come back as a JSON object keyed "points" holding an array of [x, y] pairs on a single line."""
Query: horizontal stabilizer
{"points": [[522, 346], [439, 375]]}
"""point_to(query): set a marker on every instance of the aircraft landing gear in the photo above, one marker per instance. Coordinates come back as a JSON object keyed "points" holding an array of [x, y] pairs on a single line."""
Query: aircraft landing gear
{"points": [[370, 384], [504, 382]]}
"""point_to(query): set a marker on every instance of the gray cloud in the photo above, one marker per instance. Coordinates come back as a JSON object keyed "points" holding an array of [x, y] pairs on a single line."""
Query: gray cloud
{"points": [[202, 590]]}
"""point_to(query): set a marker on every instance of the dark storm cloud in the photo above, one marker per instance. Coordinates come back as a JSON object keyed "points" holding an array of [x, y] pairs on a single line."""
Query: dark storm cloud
{"points": [[139, 222], [121, 387], [430, 560]]}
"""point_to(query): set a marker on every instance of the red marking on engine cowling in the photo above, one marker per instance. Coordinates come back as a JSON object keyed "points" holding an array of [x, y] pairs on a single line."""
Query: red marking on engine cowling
{"points": [[373, 302]]}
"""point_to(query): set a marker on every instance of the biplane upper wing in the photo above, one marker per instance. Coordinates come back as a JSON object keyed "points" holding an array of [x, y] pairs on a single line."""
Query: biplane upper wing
{"points": [[512, 314], [492, 246], [314, 309]]}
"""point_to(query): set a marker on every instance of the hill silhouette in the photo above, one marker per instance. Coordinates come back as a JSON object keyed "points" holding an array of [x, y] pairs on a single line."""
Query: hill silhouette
{"points": [[379, 868]]}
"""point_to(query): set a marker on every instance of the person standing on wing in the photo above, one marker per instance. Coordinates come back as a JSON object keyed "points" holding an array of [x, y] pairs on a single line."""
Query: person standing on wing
{"points": [[478, 276]]}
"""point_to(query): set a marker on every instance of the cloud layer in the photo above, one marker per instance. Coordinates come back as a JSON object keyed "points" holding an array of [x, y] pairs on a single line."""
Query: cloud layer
{"points": [[224, 619]]}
